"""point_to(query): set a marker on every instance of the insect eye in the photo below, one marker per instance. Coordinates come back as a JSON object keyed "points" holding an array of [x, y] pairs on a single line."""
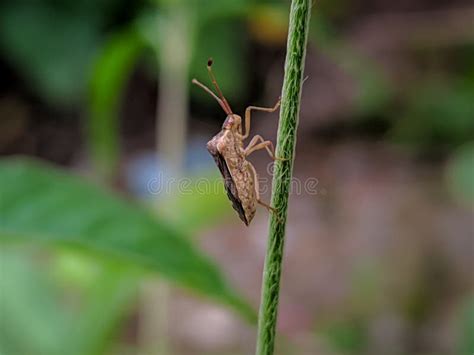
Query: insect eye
{"points": [[229, 122]]}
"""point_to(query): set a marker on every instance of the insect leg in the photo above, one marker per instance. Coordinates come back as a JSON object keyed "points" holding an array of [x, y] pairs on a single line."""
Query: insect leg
{"points": [[256, 145], [268, 145], [256, 108], [257, 188]]}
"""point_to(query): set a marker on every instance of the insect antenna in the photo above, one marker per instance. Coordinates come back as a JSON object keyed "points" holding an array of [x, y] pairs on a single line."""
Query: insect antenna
{"points": [[214, 82], [209, 91]]}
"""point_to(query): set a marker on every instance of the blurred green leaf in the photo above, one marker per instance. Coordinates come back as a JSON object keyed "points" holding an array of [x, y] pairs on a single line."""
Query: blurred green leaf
{"points": [[437, 113], [106, 303], [460, 174], [111, 71], [348, 337], [373, 90], [206, 10], [30, 322], [42, 204], [211, 37], [201, 203], [38, 316], [75, 269], [466, 345], [51, 48], [226, 45]]}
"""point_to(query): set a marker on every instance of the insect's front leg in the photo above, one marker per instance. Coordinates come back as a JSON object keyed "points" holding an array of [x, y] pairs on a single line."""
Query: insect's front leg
{"points": [[256, 108]]}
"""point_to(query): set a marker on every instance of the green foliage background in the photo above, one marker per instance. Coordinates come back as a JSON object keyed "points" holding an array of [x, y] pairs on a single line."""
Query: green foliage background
{"points": [[96, 246]]}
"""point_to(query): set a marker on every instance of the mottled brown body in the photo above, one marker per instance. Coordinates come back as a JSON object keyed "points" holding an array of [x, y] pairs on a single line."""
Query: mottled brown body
{"points": [[227, 149]]}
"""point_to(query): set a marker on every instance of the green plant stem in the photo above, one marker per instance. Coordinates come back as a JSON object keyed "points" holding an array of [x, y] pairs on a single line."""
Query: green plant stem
{"points": [[289, 114]]}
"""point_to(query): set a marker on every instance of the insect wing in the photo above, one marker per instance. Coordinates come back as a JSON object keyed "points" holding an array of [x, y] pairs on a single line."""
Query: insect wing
{"points": [[229, 183]]}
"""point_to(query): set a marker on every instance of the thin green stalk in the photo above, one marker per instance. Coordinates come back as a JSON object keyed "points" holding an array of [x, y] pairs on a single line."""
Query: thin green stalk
{"points": [[286, 141]]}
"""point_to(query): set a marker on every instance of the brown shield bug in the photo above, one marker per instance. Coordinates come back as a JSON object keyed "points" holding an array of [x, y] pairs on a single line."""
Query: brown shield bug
{"points": [[227, 149]]}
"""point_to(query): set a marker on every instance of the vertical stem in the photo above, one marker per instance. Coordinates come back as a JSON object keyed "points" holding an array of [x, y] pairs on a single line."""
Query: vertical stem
{"points": [[172, 108], [289, 114], [173, 58]]}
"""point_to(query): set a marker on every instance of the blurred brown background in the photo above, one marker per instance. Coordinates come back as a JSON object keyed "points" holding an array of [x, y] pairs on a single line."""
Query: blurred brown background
{"points": [[379, 253]]}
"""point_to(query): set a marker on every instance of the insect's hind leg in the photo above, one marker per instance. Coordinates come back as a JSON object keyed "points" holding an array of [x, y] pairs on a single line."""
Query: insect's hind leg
{"points": [[256, 108], [257, 188]]}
